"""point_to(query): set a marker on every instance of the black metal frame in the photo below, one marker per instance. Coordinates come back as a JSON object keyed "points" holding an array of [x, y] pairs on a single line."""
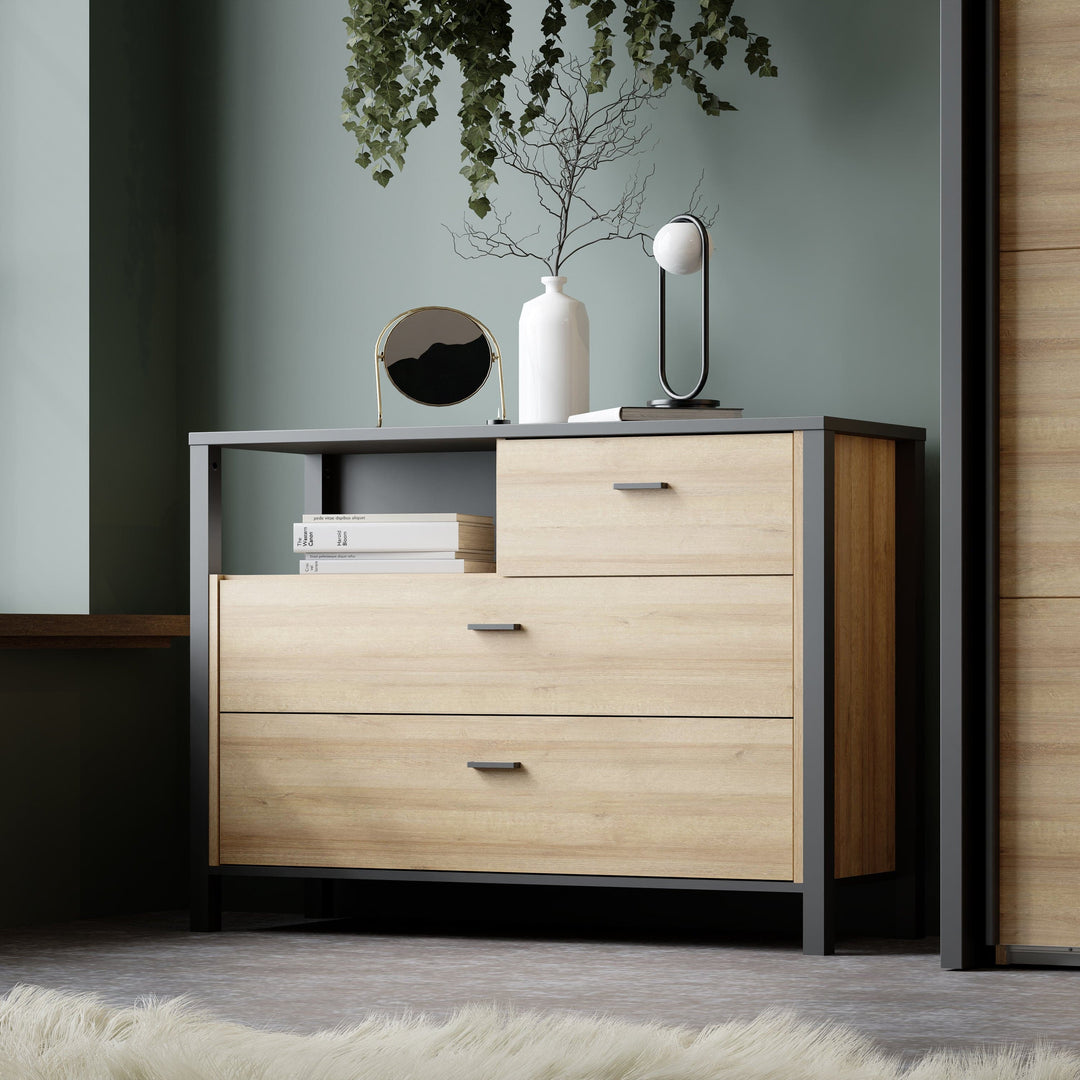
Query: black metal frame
{"points": [[689, 400], [483, 877], [968, 595], [205, 534]]}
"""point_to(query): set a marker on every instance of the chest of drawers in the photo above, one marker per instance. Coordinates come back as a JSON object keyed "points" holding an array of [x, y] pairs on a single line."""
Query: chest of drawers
{"points": [[687, 671]]}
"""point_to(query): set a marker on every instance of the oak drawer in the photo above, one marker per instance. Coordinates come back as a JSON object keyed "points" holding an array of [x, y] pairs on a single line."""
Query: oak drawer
{"points": [[396, 643], [672, 797], [726, 507]]}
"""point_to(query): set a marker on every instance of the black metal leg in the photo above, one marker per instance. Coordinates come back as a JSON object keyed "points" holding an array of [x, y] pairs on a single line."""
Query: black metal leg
{"points": [[818, 696], [205, 527], [206, 904], [819, 923], [319, 898]]}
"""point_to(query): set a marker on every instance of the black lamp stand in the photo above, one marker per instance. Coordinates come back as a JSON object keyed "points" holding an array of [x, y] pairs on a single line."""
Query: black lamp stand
{"points": [[691, 399]]}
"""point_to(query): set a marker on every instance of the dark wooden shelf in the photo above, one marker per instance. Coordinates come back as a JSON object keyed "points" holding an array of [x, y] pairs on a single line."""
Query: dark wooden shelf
{"points": [[91, 631]]}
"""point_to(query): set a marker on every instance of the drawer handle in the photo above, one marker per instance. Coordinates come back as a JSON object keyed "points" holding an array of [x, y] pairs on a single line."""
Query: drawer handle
{"points": [[493, 764], [494, 626], [654, 486]]}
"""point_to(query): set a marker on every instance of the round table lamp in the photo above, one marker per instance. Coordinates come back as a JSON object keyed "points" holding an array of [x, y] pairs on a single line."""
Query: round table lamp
{"points": [[683, 246]]}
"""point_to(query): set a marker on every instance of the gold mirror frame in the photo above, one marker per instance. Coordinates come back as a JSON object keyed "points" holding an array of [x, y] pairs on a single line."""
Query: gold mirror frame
{"points": [[380, 359]]}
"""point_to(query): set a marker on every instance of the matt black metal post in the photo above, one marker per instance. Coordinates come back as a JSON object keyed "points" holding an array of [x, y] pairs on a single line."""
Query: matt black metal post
{"points": [[968, 601], [322, 495], [322, 484], [819, 885], [205, 533]]}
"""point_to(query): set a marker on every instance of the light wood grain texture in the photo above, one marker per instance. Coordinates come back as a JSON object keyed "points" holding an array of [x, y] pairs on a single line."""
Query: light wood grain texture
{"points": [[212, 719], [797, 667], [1039, 739], [32, 631], [1040, 424], [727, 509], [1039, 129], [397, 643], [608, 795], [865, 641]]}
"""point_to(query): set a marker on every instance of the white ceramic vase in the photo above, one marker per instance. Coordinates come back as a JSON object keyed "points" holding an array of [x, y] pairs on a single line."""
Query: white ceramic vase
{"points": [[553, 356]]}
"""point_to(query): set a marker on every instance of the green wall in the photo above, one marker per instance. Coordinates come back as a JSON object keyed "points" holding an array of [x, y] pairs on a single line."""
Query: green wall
{"points": [[44, 306], [138, 460], [93, 743]]}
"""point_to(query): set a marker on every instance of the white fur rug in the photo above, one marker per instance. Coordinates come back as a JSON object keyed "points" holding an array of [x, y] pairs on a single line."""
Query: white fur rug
{"points": [[48, 1035]]}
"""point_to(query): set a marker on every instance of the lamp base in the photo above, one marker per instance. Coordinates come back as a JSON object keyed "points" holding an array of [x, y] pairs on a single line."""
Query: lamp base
{"points": [[691, 403]]}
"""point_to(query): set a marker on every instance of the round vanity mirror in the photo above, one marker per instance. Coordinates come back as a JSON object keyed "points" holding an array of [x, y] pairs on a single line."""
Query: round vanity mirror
{"points": [[437, 356]]}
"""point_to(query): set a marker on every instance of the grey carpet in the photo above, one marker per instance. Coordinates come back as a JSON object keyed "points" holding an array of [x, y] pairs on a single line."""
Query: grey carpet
{"points": [[306, 977]]}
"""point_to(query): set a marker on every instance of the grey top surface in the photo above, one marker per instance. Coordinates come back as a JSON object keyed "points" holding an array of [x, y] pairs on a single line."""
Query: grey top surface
{"points": [[473, 437]]}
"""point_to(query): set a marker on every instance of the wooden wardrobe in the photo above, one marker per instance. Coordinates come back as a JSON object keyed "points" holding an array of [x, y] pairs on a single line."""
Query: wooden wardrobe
{"points": [[1039, 493]]}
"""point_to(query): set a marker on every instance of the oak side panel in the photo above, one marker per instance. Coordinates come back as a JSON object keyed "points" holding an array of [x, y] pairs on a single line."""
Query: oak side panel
{"points": [[726, 510], [596, 795], [1039, 137], [865, 643], [797, 659], [1039, 787], [719, 646], [213, 724], [1040, 424]]}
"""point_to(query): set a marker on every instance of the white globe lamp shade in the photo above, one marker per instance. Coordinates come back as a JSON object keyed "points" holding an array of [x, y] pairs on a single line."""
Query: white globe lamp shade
{"points": [[677, 247]]}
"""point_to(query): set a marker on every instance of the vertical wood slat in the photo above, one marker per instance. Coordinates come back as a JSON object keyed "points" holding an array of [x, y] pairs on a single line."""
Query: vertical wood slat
{"points": [[865, 631], [1039, 102], [1040, 423], [797, 652], [1039, 462], [1039, 773]]}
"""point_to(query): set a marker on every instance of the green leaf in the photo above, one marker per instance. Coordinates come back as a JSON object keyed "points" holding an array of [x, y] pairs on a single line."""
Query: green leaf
{"points": [[479, 205], [397, 49]]}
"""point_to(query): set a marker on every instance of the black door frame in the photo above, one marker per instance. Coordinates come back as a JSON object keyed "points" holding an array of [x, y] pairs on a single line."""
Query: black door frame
{"points": [[969, 482]]}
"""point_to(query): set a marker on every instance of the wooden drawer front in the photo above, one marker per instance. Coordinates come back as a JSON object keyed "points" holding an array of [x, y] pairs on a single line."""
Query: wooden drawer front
{"points": [[1040, 424], [1040, 773], [727, 508], [395, 643], [595, 795]]}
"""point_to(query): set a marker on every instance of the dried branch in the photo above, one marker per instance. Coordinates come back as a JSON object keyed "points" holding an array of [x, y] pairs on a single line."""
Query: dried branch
{"points": [[577, 135]]}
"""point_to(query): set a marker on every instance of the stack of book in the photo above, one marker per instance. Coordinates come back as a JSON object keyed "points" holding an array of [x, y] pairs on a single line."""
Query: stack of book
{"points": [[643, 412], [395, 544]]}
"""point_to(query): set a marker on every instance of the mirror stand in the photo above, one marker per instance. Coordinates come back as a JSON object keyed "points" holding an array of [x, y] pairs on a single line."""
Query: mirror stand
{"points": [[439, 358]]}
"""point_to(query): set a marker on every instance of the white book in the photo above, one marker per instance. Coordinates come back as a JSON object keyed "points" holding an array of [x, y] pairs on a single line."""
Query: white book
{"points": [[315, 537], [363, 556], [471, 519], [395, 566], [643, 412]]}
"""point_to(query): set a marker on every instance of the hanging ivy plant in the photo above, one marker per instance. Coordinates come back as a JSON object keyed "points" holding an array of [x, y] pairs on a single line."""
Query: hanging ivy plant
{"points": [[398, 46]]}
